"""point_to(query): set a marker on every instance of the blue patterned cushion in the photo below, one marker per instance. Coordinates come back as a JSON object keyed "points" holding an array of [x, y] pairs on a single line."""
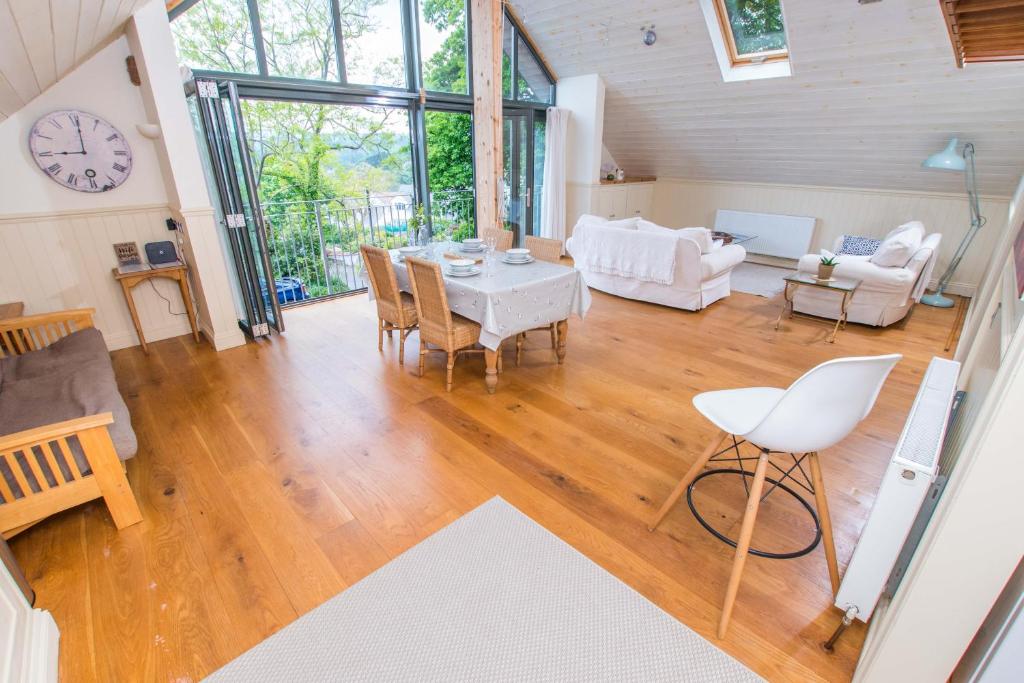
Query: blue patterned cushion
{"points": [[859, 246]]}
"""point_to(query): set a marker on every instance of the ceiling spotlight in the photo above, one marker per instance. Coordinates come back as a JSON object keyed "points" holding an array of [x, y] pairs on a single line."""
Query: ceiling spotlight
{"points": [[648, 35]]}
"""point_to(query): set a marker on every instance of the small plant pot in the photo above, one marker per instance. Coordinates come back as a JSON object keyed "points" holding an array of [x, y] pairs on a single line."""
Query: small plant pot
{"points": [[825, 272]]}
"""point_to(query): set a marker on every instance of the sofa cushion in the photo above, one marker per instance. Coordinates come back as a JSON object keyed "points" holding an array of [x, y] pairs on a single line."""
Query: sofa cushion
{"points": [[855, 245], [622, 224], [70, 378], [702, 236], [899, 246]]}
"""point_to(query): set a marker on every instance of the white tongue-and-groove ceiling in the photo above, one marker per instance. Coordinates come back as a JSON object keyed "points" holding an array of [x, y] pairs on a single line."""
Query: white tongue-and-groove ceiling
{"points": [[43, 40], [874, 90]]}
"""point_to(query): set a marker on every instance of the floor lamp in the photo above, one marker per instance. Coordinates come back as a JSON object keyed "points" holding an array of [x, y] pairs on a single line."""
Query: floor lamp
{"points": [[949, 160]]}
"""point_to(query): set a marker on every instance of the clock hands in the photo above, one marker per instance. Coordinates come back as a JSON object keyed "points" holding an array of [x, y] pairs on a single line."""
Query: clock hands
{"points": [[78, 127]]}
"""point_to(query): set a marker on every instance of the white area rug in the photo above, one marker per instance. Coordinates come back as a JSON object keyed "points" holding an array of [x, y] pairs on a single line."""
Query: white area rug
{"points": [[492, 597], [755, 278]]}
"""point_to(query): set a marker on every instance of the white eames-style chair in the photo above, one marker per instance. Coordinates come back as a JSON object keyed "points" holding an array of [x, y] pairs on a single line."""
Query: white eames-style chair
{"points": [[816, 412]]}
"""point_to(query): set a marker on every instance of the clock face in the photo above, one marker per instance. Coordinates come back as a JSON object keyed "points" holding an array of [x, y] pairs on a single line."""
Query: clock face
{"points": [[80, 151]]}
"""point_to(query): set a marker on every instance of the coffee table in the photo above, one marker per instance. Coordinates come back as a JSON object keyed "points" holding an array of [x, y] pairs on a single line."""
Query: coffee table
{"points": [[840, 285]]}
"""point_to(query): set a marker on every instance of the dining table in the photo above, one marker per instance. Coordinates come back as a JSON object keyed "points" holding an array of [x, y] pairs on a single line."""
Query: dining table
{"points": [[506, 298]]}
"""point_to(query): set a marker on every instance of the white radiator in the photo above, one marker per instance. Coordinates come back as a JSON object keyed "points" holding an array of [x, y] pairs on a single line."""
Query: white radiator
{"points": [[774, 234], [907, 479]]}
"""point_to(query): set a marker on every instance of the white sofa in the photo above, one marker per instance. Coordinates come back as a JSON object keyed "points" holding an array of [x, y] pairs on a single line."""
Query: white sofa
{"points": [[885, 295], [639, 260]]}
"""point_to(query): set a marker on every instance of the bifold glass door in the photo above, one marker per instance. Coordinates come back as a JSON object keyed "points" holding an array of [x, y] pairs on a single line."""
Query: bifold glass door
{"points": [[219, 110], [523, 159]]}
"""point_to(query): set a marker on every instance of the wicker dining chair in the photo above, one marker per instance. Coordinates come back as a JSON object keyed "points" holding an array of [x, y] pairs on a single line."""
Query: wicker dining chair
{"points": [[503, 238], [396, 309], [448, 331], [546, 250]]}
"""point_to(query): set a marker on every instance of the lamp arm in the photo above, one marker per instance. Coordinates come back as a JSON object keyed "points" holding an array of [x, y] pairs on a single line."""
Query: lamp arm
{"points": [[977, 220]]}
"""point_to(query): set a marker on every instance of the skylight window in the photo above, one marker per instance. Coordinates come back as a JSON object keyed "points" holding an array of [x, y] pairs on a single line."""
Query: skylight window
{"points": [[753, 29], [749, 37]]}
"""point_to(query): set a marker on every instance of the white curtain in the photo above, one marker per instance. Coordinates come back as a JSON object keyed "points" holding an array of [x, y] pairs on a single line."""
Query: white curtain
{"points": [[552, 206]]}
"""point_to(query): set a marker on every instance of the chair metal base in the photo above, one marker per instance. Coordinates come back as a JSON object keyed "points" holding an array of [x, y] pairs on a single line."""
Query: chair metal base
{"points": [[739, 459], [754, 551]]}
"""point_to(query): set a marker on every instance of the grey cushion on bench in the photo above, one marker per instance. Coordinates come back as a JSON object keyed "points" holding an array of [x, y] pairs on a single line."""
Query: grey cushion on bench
{"points": [[71, 378]]}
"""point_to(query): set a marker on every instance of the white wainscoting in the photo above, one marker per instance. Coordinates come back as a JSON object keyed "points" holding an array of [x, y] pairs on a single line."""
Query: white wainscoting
{"points": [[58, 261], [679, 203]]}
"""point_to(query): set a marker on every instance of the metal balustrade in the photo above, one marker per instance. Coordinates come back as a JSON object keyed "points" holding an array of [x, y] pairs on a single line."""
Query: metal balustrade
{"points": [[317, 242]]}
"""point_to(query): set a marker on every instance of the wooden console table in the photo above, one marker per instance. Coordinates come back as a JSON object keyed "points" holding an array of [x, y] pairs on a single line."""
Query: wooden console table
{"points": [[128, 282]]}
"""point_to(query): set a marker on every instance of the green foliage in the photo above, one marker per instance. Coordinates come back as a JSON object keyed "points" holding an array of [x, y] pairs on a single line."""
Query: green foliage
{"points": [[829, 260], [756, 25]]}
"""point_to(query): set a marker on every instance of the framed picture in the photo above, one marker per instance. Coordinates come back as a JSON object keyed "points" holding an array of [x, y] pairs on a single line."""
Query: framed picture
{"points": [[127, 254]]}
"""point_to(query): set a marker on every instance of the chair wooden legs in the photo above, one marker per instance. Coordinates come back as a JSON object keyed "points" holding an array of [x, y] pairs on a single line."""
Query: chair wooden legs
{"points": [[825, 519], [743, 544], [554, 336], [423, 355], [690, 475], [380, 334], [451, 367], [520, 339]]}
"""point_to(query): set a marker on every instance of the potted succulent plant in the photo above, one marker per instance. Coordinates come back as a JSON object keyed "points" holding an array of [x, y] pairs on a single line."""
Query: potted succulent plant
{"points": [[827, 265]]}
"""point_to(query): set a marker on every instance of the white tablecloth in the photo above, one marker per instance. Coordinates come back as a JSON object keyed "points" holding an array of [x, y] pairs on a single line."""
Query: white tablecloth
{"points": [[508, 299]]}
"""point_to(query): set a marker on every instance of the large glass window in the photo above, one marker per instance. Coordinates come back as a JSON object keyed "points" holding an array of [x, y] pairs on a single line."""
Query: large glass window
{"points": [[450, 172], [217, 35], [754, 30], [371, 34], [298, 38], [532, 84], [443, 46], [329, 177]]}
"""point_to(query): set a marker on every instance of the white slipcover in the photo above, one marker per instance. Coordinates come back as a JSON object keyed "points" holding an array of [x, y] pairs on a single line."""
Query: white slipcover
{"points": [[697, 280], [885, 295]]}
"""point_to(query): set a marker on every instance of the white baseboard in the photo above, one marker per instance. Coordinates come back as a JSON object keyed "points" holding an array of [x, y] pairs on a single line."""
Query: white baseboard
{"points": [[227, 339], [125, 338]]}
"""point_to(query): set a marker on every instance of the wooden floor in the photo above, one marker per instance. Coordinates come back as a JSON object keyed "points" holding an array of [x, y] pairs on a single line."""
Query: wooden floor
{"points": [[274, 475]]}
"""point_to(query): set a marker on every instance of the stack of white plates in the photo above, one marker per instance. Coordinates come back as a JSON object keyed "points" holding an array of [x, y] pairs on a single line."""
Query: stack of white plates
{"points": [[408, 251], [517, 256], [472, 244], [463, 267]]}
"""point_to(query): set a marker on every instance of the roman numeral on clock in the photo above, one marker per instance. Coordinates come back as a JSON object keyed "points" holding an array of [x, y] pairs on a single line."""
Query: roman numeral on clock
{"points": [[120, 152], [72, 179], [54, 168], [119, 168], [111, 137]]}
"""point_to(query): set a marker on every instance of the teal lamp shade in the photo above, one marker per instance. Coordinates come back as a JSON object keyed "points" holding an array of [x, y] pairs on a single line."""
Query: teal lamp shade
{"points": [[947, 159]]}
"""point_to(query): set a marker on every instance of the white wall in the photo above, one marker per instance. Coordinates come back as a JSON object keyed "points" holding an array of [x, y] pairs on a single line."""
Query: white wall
{"points": [[99, 86], [56, 244], [976, 537], [679, 203], [584, 97]]}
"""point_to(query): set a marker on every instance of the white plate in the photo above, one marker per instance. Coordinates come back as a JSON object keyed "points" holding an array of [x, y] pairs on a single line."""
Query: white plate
{"points": [[463, 247], [475, 270], [518, 262]]}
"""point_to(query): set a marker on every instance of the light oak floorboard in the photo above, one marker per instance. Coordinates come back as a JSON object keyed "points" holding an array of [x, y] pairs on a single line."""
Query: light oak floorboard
{"points": [[275, 475]]}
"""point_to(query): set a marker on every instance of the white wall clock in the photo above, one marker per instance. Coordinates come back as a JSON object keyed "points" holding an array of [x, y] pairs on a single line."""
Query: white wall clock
{"points": [[80, 151]]}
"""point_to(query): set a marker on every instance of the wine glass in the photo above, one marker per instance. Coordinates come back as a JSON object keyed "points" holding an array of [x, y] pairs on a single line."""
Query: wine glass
{"points": [[490, 244]]}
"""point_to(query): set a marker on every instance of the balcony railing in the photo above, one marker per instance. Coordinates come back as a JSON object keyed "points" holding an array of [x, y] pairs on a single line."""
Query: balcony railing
{"points": [[317, 242]]}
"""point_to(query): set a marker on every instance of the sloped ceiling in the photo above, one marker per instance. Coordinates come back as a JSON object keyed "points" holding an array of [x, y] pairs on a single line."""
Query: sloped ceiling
{"points": [[875, 89], [42, 40]]}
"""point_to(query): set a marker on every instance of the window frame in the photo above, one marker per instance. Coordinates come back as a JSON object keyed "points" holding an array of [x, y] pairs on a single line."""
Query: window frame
{"points": [[737, 59]]}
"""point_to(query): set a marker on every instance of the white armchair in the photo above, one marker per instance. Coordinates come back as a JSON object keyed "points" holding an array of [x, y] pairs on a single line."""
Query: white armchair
{"points": [[885, 295]]}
